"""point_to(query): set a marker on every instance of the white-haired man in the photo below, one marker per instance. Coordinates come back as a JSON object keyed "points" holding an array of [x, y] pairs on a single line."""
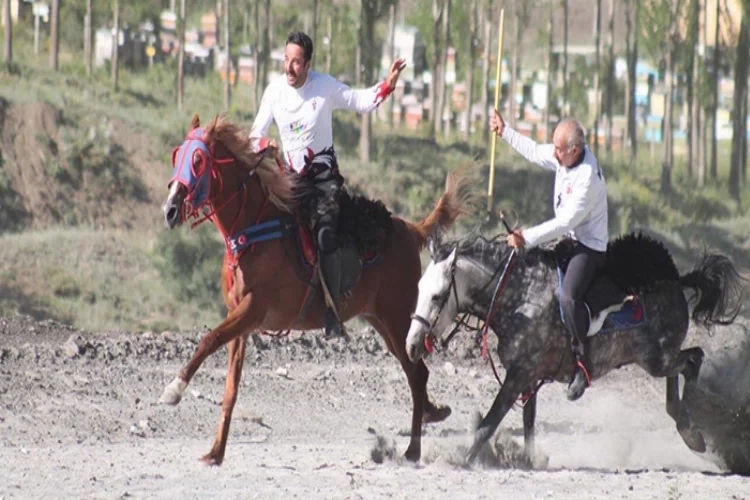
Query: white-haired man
{"points": [[580, 205]]}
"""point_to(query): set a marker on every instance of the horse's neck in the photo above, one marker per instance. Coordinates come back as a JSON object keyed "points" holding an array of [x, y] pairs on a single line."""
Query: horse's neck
{"points": [[524, 283], [239, 208], [480, 282]]}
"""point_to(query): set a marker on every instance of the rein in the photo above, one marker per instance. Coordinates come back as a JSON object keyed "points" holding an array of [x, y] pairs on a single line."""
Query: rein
{"points": [[491, 310], [238, 242], [501, 283], [463, 320], [526, 396], [431, 326], [242, 188]]}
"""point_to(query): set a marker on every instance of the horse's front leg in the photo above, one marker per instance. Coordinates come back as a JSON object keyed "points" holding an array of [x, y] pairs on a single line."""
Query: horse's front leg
{"points": [[241, 320], [515, 382], [529, 419], [236, 349]]}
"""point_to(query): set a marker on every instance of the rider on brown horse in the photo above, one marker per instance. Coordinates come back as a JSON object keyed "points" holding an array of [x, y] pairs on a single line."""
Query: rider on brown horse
{"points": [[302, 106], [580, 205]]}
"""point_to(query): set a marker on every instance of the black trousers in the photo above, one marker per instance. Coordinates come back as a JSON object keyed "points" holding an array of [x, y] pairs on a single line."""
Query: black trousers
{"points": [[324, 181], [324, 213], [583, 265]]}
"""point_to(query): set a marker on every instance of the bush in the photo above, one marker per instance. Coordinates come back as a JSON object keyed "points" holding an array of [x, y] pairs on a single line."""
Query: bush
{"points": [[190, 264]]}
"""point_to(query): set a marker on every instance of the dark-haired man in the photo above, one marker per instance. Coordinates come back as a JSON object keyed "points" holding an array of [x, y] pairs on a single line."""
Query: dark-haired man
{"points": [[302, 106]]}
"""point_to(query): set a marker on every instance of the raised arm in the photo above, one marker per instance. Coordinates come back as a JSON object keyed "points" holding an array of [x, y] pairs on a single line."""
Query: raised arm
{"points": [[366, 100], [359, 100], [541, 154]]}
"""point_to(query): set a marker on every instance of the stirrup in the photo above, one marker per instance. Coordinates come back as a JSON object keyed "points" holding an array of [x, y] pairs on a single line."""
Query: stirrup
{"points": [[575, 387], [579, 365], [333, 327]]}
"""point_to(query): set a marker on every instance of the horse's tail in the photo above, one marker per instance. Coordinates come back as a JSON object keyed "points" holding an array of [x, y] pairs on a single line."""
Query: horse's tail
{"points": [[454, 202], [719, 290]]}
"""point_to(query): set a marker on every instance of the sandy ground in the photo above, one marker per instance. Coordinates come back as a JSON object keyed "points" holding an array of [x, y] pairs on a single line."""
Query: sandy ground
{"points": [[79, 419]]}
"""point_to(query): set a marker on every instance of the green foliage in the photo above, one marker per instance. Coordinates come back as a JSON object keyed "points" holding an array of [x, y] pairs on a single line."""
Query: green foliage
{"points": [[93, 279], [93, 152], [344, 41], [421, 17], [12, 214], [190, 263], [653, 23], [132, 13]]}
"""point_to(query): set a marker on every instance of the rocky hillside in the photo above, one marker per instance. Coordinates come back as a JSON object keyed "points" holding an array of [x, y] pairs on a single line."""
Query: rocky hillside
{"points": [[60, 169]]}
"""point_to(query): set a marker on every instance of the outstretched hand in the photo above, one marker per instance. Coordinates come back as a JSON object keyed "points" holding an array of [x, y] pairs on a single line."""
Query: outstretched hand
{"points": [[396, 68]]}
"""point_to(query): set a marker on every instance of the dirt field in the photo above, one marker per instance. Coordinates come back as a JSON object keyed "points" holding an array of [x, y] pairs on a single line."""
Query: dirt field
{"points": [[322, 419]]}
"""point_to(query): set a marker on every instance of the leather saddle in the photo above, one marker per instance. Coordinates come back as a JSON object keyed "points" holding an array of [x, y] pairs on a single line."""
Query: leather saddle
{"points": [[610, 307], [352, 263]]}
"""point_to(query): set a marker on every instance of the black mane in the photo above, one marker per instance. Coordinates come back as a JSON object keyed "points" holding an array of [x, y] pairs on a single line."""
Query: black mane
{"points": [[364, 222], [487, 252], [635, 261], [367, 222]]}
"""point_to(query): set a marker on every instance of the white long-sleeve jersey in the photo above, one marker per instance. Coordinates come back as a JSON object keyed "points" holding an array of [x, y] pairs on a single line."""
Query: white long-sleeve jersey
{"points": [[304, 116], [580, 201]]}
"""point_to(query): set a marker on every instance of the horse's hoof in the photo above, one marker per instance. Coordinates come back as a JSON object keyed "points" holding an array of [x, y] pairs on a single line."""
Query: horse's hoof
{"points": [[212, 460], [694, 440], [692, 437], [173, 392], [413, 454], [436, 414]]}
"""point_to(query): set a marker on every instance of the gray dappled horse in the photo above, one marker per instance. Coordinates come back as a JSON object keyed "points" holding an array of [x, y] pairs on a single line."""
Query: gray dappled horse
{"points": [[640, 276]]}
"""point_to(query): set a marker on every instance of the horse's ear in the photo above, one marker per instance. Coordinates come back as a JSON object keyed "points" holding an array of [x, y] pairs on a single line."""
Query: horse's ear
{"points": [[433, 242], [451, 260], [195, 122]]}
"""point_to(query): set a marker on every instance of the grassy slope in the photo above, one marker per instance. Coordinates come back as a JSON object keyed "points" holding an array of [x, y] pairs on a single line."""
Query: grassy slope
{"points": [[93, 279]]}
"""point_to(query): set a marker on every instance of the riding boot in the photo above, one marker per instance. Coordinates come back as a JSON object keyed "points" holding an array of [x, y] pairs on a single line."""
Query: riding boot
{"points": [[580, 380], [330, 265]]}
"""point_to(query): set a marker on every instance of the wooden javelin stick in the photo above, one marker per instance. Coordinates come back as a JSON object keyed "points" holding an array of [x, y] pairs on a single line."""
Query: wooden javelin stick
{"points": [[490, 189]]}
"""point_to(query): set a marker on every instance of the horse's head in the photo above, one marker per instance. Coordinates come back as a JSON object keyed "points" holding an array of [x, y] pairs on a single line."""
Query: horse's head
{"points": [[438, 302], [200, 160], [190, 185]]}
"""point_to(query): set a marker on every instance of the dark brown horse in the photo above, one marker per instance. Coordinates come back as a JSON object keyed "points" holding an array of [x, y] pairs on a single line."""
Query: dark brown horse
{"points": [[264, 289]]}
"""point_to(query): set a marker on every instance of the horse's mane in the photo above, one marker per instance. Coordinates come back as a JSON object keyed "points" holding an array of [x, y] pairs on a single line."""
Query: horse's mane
{"points": [[635, 261], [488, 252], [279, 183]]}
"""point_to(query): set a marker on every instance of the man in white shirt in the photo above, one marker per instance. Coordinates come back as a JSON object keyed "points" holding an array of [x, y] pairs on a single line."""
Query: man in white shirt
{"points": [[580, 205], [302, 106]]}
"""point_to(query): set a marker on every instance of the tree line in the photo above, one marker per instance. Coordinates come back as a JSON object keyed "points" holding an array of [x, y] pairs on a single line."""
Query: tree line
{"points": [[349, 34]]}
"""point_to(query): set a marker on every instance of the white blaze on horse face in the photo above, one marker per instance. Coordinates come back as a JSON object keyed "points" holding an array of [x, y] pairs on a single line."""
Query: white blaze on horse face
{"points": [[172, 208], [435, 303], [173, 188]]}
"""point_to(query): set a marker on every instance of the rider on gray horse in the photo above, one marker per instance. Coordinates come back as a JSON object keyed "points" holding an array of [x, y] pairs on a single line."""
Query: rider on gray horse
{"points": [[302, 106], [580, 204]]}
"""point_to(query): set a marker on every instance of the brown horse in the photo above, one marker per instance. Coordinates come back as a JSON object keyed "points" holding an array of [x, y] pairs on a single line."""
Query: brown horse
{"points": [[217, 167]]}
